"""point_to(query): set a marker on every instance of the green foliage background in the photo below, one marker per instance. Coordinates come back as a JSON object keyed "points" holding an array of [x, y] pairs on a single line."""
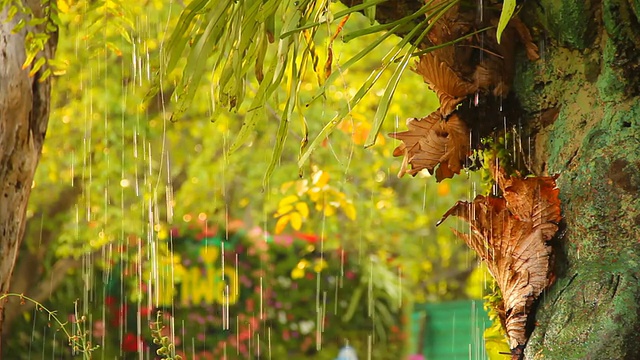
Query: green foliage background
{"points": [[126, 170]]}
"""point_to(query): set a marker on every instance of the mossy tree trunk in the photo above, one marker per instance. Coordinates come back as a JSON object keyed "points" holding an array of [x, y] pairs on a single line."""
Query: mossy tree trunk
{"points": [[581, 112], [582, 101], [24, 115]]}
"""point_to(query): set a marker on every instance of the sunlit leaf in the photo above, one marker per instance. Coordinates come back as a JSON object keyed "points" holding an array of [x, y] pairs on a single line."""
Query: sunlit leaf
{"points": [[286, 186], [288, 200], [303, 209], [370, 12], [349, 209], [496, 342], [296, 220], [329, 210], [508, 8], [320, 179], [282, 210], [281, 224], [336, 16]]}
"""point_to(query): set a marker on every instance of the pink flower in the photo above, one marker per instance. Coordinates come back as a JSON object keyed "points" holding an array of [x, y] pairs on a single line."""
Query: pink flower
{"points": [[98, 329]]}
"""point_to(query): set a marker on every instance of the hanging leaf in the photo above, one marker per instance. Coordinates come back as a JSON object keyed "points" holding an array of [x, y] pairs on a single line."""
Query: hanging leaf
{"points": [[320, 179], [348, 209], [532, 199], [450, 88], [281, 224], [525, 37], [511, 235], [433, 141], [296, 220], [303, 209], [370, 12], [508, 8]]}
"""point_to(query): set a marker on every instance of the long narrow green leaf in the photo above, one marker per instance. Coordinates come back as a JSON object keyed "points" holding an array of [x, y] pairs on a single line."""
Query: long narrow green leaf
{"points": [[452, 42], [398, 23], [353, 304], [385, 101], [261, 52], [383, 106], [334, 75], [367, 50], [267, 87], [194, 69], [330, 126], [370, 12], [508, 8], [177, 43], [180, 36], [336, 16], [255, 111], [283, 127]]}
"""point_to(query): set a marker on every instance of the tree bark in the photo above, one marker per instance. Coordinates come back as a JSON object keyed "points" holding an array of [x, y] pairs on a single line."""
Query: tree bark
{"points": [[24, 115], [30, 277], [583, 103]]}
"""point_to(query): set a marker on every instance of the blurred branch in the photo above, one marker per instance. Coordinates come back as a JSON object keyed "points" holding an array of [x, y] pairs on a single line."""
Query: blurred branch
{"points": [[393, 10], [42, 291], [30, 266]]}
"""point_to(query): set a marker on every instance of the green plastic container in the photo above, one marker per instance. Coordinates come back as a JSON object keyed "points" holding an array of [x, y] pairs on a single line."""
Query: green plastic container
{"points": [[451, 330]]}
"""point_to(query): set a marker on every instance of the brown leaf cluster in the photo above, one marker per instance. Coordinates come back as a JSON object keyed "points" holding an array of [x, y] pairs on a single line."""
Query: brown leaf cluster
{"points": [[511, 234], [474, 65], [431, 141]]}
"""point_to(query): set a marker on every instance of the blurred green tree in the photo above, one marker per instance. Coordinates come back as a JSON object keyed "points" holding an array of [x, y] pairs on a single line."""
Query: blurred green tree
{"points": [[116, 167]]}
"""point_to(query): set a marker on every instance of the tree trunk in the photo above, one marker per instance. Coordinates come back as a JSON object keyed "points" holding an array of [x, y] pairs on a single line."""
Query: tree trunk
{"points": [[581, 104], [24, 115], [583, 101]]}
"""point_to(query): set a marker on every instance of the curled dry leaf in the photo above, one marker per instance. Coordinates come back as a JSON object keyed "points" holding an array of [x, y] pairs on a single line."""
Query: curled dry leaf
{"points": [[533, 199], [525, 38], [433, 140], [450, 26], [447, 84], [511, 235], [479, 57]]}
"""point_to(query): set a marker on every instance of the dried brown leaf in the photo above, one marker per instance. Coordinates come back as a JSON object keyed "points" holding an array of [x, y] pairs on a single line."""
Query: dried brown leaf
{"points": [[447, 84], [533, 199], [511, 235], [525, 37], [433, 141]]}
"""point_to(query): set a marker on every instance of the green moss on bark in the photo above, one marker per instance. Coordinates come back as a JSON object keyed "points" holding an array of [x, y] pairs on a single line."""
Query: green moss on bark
{"points": [[593, 311], [622, 53], [569, 22]]}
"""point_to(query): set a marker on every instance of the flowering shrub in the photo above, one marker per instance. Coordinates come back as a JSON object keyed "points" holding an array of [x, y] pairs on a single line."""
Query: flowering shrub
{"points": [[246, 294]]}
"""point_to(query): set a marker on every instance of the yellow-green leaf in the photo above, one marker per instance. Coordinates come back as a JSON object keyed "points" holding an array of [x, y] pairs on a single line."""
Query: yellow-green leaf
{"points": [[349, 209], [283, 210], [286, 186], [320, 178], [329, 210], [281, 224], [508, 8], [288, 200], [303, 209], [495, 343], [296, 220]]}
